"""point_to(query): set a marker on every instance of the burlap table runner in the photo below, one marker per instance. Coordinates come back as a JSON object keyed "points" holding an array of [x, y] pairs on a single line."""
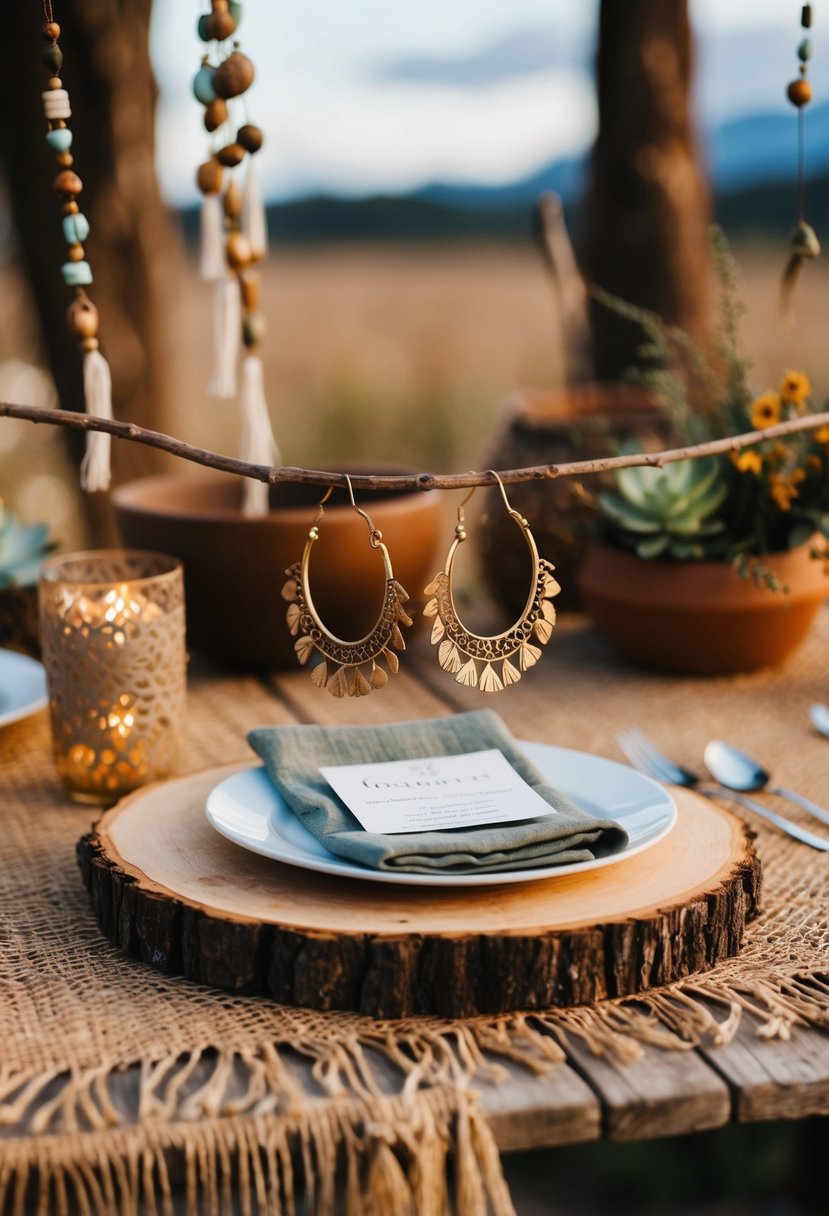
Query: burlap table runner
{"points": [[215, 1081]]}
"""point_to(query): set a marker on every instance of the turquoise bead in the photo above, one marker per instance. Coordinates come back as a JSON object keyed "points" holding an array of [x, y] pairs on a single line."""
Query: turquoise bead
{"points": [[59, 140], [804, 51], [203, 85], [76, 274], [204, 32], [75, 228], [235, 10]]}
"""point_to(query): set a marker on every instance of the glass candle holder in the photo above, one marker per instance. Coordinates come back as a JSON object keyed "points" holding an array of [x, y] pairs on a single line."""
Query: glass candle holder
{"points": [[112, 635]]}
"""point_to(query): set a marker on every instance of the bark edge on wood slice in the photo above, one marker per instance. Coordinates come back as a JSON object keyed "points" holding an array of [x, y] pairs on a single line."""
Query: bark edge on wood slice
{"points": [[168, 890]]}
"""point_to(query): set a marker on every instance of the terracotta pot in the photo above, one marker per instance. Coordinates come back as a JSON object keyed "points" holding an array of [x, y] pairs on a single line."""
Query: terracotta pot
{"points": [[548, 427], [234, 566], [701, 617]]}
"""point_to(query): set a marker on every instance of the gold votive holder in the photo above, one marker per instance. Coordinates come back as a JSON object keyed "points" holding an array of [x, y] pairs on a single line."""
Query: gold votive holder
{"points": [[112, 635]]}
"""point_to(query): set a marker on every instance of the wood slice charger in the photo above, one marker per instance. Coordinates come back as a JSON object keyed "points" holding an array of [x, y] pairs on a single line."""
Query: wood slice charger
{"points": [[170, 891]]}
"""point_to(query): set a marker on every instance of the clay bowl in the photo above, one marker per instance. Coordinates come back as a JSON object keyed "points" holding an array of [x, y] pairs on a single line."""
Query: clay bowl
{"points": [[701, 617], [234, 566]]}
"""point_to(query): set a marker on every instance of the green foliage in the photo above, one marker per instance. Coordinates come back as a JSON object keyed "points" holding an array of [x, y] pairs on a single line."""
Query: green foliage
{"points": [[667, 512], [22, 549], [768, 498]]}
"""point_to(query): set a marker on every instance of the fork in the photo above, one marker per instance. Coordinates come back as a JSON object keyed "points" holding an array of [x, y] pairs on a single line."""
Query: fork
{"points": [[648, 759]]}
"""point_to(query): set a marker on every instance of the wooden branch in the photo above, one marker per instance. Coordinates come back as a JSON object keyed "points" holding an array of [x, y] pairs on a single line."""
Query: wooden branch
{"points": [[405, 481]]}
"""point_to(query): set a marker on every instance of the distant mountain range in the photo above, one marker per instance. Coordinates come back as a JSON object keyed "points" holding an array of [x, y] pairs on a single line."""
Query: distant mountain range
{"points": [[751, 163]]}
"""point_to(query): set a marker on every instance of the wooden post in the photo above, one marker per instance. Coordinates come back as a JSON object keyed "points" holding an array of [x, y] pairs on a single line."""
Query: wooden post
{"points": [[647, 206]]}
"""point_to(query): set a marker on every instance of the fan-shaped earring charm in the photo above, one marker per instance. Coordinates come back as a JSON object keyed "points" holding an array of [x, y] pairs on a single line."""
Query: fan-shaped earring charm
{"points": [[350, 669], [492, 663]]}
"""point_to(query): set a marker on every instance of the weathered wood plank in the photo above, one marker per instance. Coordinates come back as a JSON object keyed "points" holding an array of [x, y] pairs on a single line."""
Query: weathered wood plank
{"points": [[663, 1093], [527, 1111], [775, 1079]]}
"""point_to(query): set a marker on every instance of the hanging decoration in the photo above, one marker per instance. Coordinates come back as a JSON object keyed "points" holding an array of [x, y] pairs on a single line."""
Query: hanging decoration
{"points": [[803, 242], [234, 237], [82, 315]]}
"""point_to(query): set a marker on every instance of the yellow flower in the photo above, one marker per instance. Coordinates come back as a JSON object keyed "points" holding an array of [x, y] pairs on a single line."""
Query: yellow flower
{"points": [[795, 388], [765, 411], [821, 435], [748, 462], [783, 490]]}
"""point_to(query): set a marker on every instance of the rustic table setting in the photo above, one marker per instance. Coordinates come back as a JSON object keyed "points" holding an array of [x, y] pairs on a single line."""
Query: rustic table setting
{"points": [[121, 1084]]}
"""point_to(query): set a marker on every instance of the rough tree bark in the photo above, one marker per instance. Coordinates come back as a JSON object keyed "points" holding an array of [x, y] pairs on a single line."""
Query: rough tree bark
{"points": [[133, 247], [647, 207]]}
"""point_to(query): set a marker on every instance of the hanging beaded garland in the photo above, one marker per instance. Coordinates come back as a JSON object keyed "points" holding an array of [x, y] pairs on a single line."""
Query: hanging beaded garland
{"points": [[803, 242], [82, 315], [234, 234]]}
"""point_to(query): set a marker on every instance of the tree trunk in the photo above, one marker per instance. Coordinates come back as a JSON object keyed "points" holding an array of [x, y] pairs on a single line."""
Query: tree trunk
{"points": [[647, 208], [133, 248]]}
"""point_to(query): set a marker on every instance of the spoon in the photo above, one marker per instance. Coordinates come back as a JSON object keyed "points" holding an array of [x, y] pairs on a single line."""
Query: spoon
{"points": [[739, 771], [819, 716]]}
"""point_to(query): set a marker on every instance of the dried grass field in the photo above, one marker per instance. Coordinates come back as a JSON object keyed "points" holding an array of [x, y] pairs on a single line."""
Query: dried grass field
{"points": [[376, 355], [408, 355]]}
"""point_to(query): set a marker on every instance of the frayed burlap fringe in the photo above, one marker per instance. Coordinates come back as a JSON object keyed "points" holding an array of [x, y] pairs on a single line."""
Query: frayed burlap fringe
{"points": [[351, 1157], [219, 1124]]}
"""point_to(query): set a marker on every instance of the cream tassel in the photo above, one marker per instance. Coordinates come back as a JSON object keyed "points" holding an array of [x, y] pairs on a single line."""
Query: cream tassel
{"points": [[254, 217], [258, 445], [227, 325], [212, 264], [97, 387]]}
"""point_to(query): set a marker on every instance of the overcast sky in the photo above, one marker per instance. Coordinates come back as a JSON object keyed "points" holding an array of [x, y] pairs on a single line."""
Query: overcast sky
{"points": [[375, 96]]}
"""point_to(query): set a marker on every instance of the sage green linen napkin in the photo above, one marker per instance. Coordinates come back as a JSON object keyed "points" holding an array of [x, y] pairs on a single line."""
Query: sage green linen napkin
{"points": [[293, 756]]}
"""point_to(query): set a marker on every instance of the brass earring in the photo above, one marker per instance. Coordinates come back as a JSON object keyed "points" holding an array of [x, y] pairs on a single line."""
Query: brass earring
{"points": [[485, 662], [355, 664]]}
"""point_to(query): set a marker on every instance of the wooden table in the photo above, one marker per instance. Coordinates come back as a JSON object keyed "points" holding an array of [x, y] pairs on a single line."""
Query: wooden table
{"points": [[580, 697]]}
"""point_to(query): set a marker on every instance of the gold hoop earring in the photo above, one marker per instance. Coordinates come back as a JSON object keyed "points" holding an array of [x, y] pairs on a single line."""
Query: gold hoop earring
{"points": [[356, 670], [459, 651]]}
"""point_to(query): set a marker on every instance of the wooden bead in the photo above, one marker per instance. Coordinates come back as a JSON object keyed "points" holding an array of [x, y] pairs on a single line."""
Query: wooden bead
{"points": [[54, 82], [232, 201], [234, 76], [250, 137], [220, 25], [806, 16], [75, 253], [70, 208], [253, 329], [238, 251], [231, 155], [68, 183], [215, 114], [52, 58], [251, 285], [50, 31], [65, 159], [82, 317], [799, 93], [209, 177]]}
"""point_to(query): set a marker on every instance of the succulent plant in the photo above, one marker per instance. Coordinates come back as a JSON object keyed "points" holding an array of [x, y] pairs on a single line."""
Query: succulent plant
{"points": [[22, 549], [668, 512]]}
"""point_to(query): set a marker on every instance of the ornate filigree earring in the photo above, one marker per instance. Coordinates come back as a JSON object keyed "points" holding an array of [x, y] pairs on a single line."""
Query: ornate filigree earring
{"points": [[485, 662], [356, 670]]}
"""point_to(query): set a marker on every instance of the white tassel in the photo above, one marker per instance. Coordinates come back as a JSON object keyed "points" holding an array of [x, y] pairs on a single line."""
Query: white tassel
{"points": [[212, 265], [254, 217], [97, 387], [227, 325], [258, 445]]}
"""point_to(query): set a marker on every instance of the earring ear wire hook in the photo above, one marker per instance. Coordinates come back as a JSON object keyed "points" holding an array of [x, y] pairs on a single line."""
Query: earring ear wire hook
{"points": [[375, 535]]}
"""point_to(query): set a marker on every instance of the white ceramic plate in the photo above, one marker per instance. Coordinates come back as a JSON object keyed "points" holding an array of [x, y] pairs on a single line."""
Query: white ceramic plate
{"points": [[22, 687], [247, 809]]}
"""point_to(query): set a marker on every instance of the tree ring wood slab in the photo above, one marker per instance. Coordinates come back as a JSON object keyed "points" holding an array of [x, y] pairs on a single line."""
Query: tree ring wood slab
{"points": [[169, 890]]}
